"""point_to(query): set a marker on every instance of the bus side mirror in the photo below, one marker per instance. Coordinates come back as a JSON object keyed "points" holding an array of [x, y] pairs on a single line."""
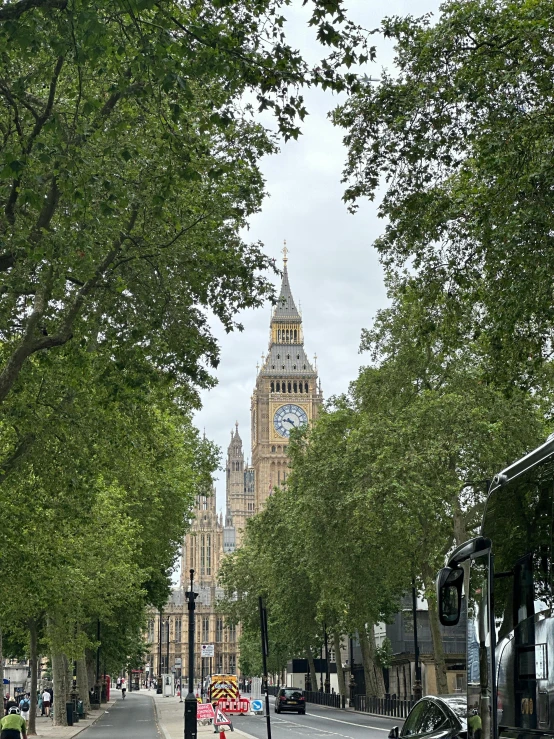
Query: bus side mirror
{"points": [[393, 733], [449, 595]]}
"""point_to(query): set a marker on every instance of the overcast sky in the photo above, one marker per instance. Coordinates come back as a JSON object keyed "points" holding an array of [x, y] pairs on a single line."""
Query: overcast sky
{"points": [[334, 271]]}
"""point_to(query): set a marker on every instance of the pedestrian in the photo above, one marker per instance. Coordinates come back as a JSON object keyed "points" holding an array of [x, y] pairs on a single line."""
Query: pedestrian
{"points": [[46, 702], [13, 725], [475, 724], [10, 703], [118, 683], [123, 687], [25, 707]]}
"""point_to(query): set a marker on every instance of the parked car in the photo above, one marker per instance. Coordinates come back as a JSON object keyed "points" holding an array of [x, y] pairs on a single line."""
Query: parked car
{"points": [[440, 718], [290, 699]]}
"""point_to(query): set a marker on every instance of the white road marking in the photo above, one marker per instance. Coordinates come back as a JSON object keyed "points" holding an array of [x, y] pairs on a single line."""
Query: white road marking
{"points": [[351, 723]]}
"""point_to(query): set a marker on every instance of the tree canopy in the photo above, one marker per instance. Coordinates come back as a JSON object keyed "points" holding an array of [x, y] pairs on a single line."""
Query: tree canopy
{"points": [[460, 138]]}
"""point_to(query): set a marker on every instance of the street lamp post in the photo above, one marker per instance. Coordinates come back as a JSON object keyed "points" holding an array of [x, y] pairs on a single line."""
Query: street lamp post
{"points": [[327, 670], [167, 650], [352, 683], [190, 700], [417, 689], [159, 688]]}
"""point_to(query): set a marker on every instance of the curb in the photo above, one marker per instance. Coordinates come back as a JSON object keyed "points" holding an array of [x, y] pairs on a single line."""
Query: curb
{"points": [[353, 712], [82, 728], [161, 727]]}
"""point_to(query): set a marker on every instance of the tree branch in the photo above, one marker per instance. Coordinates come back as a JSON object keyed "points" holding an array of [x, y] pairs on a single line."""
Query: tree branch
{"points": [[31, 342], [49, 105], [16, 10]]}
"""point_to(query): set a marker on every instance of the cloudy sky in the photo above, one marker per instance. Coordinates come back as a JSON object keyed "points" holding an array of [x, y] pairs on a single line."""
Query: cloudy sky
{"points": [[334, 271]]}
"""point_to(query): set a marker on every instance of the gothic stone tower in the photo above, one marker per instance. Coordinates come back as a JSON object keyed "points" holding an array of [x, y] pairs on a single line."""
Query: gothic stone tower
{"points": [[203, 545], [239, 492], [286, 395]]}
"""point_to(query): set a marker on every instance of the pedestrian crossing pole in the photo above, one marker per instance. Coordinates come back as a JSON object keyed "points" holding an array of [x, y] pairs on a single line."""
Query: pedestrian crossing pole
{"points": [[190, 700]]}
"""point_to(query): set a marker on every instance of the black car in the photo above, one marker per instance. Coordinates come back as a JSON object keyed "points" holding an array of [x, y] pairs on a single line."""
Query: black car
{"points": [[290, 699], [439, 718]]}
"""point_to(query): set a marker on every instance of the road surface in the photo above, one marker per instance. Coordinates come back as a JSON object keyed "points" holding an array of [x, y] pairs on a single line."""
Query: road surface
{"points": [[135, 718], [132, 718], [318, 723]]}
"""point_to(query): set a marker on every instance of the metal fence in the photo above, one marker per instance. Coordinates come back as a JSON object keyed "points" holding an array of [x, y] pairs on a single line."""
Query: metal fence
{"points": [[393, 707], [389, 706], [333, 700]]}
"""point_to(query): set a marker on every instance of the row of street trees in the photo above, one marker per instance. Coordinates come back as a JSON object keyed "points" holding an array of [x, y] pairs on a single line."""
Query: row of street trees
{"points": [[128, 171], [393, 474]]}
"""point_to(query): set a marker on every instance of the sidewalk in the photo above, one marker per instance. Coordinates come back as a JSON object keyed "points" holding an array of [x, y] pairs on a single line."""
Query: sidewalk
{"points": [[170, 715], [45, 727], [171, 719]]}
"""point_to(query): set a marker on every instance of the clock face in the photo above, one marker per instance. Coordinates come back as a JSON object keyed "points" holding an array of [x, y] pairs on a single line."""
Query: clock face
{"points": [[289, 417]]}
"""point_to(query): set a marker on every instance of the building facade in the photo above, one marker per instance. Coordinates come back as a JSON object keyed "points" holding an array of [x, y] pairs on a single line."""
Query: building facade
{"points": [[286, 396]]}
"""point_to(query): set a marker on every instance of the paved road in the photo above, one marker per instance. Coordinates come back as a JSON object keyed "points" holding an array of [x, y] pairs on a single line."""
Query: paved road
{"points": [[132, 718], [320, 723]]}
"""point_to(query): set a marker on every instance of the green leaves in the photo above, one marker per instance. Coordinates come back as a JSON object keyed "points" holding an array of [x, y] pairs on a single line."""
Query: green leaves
{"points": [[462, 138]]}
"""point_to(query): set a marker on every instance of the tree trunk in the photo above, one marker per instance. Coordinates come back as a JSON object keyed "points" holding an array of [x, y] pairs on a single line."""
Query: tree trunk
{"points": [[90, 661], [438, 649], [379, 677], [338, 659], [458, 518], [313, 675], [33, 659], [371, 689], [1, 672], [83, 684], [59, 678]]}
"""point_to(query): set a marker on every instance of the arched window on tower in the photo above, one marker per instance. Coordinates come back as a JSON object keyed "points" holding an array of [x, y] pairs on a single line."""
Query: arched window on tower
{"points": [[306, 387], [295, 388], [290, 390], [278, 387], [272, 448], [272, 387], [295, 334]]}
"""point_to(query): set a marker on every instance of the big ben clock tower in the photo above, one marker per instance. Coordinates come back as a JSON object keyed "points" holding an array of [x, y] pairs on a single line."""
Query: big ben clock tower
{"points": [[286, 395]]}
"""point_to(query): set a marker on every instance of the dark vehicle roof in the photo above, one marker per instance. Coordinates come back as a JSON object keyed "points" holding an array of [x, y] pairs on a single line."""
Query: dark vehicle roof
{"points": [[519, 468], [522, 465], [456, 704], [299, 689]]}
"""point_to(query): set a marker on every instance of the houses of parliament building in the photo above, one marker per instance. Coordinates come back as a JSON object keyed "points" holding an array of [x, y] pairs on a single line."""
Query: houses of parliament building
{"points": [[286, 395]]}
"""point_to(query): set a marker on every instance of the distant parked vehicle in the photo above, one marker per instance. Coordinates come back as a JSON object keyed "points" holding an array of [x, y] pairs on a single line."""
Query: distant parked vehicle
{"points": [[440, 718], [290, 699]]}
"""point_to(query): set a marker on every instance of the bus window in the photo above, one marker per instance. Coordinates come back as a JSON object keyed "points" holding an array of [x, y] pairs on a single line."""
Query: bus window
{"points": [[518, 520]]}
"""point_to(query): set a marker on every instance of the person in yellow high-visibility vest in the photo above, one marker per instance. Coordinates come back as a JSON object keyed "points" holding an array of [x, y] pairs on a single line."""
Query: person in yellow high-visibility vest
{"points": [[475, 725]]}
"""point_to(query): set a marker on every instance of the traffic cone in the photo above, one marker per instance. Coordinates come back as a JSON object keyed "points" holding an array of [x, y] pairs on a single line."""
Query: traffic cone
{"points": [[222, 734]]}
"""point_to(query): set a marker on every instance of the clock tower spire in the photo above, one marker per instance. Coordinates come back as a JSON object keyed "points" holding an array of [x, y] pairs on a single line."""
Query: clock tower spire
{"points": [[286, 395]]}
